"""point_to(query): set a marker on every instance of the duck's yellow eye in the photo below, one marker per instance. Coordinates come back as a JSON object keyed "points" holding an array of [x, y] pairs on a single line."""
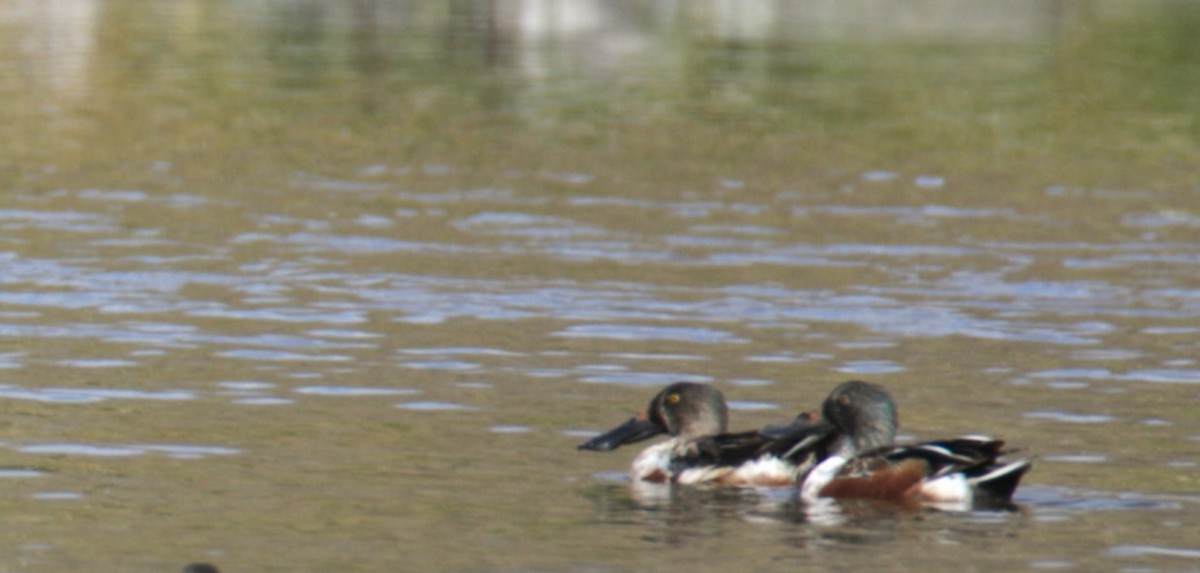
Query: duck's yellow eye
{"points": [[672, 398]]}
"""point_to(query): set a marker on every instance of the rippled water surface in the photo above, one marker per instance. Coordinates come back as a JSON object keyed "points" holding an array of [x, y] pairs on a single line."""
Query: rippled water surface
{"points": [[307, 286]]}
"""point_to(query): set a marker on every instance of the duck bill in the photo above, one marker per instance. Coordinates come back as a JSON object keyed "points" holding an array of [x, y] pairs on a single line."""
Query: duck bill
{"points": [[635, 429]]}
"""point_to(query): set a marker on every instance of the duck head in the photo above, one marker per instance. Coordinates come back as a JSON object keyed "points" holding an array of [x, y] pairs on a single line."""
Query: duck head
{"points": [[864, 415], [685, 409]]}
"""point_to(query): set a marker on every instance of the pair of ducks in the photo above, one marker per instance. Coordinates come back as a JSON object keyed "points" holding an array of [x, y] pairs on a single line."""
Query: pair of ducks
{"points": [[844, 451]]}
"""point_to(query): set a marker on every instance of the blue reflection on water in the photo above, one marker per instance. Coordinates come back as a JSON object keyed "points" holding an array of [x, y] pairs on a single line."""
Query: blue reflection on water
{"points": [[89, 395], [981, 304], [1053, 499], [653, 379], [1154, 550], [1071, 418], [434, 406], [642, 332], [181, 451], [441, 365], [354, 391]]}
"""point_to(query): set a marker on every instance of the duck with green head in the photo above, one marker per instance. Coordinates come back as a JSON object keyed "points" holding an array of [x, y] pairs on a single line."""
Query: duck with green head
{"points": [[699, 450], [858, 459]]}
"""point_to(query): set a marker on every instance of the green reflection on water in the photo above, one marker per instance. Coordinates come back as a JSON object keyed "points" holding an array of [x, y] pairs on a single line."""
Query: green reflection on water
{"points": [[1088, 93]]}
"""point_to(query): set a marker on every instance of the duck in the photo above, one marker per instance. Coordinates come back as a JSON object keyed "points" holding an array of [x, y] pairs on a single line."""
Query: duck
{"points": [[854, 456], [200, 568], [699, 450]]}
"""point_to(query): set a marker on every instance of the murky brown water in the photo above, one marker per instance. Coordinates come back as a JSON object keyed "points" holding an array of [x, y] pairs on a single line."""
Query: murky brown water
{"points": [[297, 286]]}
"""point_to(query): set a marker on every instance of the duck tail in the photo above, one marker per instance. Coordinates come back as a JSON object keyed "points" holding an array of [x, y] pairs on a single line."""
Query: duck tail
{"points": [[999, 483]]}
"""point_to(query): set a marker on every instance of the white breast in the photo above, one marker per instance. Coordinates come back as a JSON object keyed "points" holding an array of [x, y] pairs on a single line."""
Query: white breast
{"points": [[654, 463], [820, 477]]}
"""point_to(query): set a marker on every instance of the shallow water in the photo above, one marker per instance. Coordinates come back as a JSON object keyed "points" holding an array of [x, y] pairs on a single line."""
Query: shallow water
{"points": [[290, 286]]}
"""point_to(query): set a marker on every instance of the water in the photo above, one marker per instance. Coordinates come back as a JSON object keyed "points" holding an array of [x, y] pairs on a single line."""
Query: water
{"points": [[305, 286]]}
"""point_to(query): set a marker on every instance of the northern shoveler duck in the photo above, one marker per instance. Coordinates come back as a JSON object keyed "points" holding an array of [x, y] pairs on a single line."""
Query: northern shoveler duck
{"points": [[200, 568], [858, 459], [699, 450]]}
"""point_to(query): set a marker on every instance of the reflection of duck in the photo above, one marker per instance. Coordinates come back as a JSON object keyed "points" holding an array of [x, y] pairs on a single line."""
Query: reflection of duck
{"points": [[700, 451], [859, 460]]}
